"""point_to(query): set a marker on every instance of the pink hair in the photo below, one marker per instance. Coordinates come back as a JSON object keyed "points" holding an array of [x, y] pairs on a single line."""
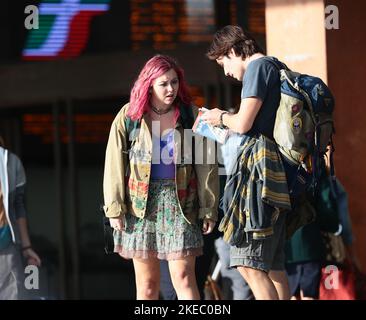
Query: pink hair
{"points": [[154, 68]]}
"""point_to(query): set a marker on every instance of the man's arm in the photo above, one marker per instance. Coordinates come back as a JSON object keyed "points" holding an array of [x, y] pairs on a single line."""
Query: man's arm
{"points": [[240, 122]]}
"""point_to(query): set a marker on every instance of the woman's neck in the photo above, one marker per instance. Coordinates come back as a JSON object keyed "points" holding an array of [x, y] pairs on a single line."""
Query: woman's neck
{"points": [[161, 110]]}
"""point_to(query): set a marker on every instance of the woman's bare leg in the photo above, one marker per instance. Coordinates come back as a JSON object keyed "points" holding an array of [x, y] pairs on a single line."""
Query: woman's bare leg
{"points": [[183, 277], [147, 277]]}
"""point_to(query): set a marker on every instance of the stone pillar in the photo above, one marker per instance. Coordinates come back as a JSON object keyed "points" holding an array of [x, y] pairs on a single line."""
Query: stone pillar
{"points": [[295, 34]]}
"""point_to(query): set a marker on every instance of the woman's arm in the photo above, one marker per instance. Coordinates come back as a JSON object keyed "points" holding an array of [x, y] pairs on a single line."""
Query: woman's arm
{"points": [[114, 169]]}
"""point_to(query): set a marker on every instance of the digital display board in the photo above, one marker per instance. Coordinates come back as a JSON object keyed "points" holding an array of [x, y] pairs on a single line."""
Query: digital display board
{"points": [[63, 28]]}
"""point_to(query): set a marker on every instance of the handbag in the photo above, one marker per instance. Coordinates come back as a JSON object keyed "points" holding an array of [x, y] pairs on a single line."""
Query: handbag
{"points": [[212, 290]]}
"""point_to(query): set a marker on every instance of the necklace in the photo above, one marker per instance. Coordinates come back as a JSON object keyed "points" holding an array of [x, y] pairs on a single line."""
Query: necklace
{"points": [[161, 111]]}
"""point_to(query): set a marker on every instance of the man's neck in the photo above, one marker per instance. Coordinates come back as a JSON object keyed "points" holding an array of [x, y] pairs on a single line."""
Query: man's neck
{"points": [[252, 58]]}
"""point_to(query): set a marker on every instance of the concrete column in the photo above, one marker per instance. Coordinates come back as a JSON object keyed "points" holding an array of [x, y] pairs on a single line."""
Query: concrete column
{"points": [[295, 34]]}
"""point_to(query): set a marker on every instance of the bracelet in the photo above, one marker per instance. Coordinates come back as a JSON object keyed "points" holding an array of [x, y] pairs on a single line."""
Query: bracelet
{"points": [[26, 248], [221, 118]]}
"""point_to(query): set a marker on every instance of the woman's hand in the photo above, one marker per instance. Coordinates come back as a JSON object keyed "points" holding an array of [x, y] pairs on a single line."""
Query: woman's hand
{"points": [[207, 226], [212, 116], [116, 223]]}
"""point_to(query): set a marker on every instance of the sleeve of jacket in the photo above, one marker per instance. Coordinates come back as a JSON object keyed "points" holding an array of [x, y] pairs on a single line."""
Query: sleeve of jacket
{"points": [[114, 168], [19, 199], [206, 168]]}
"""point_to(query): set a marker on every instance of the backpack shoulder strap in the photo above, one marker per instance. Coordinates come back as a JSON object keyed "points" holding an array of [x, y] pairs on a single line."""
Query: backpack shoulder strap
{"points": [[278, 64], [289, 76]]}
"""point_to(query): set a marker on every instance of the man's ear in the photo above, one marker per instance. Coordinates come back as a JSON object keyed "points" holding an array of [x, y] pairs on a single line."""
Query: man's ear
{"points": [[232, 53]]}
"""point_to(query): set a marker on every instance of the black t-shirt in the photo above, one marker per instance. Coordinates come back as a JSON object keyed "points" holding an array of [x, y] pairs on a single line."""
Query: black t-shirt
{"points": [[262, 80]]}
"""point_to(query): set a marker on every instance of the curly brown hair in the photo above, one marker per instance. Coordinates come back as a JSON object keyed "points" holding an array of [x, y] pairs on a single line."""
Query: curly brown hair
{"points": [[233, 37]]}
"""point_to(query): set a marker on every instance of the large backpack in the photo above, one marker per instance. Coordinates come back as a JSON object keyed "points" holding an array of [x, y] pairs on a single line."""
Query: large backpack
{"points": [[304, 123]]}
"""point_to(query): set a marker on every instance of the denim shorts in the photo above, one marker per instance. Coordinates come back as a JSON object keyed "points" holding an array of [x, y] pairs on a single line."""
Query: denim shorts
{"points": [[263, 254]]}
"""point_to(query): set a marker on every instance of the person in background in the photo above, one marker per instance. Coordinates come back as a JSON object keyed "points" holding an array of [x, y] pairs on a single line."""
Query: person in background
{"points": [[347, 234], [159, 204], [305, 254], [15, 243], [307, 251]]}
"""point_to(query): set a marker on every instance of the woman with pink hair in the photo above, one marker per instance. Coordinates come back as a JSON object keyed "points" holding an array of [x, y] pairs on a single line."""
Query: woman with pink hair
{"points": [[154, 198]]}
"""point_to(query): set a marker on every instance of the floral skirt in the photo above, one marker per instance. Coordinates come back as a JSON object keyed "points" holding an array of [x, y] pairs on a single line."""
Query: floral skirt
{"points": [[163, 233]]}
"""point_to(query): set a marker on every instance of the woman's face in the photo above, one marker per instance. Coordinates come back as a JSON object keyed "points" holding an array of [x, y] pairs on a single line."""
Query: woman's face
{"points": [[165, 89]]}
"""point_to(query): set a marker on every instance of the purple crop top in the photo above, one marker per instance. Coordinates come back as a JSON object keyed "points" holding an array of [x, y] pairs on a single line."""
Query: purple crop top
{"points": [[163, 166]]}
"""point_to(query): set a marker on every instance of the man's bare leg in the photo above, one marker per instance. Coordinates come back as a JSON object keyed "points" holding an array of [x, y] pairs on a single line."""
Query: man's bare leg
{"points": [[260, 283], [279, 279]]}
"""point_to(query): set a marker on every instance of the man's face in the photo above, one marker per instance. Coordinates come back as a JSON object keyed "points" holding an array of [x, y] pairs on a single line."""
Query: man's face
{"points": [[233, 65]]}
